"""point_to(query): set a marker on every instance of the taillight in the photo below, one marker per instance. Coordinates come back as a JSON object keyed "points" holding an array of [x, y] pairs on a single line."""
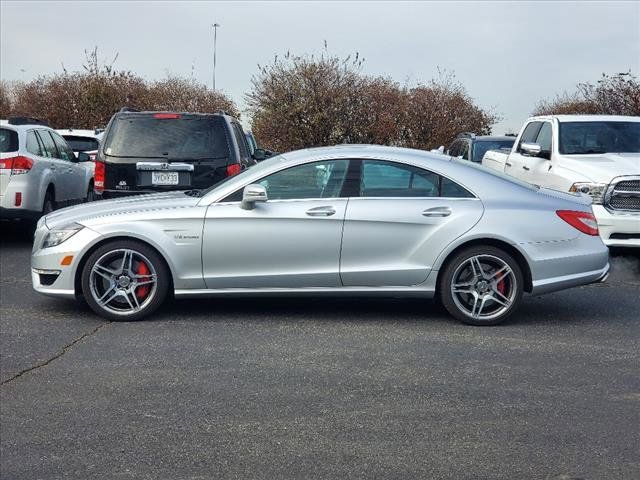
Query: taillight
{"points": [[18, 165], [583, 221], [233, 169], [99, 175]]}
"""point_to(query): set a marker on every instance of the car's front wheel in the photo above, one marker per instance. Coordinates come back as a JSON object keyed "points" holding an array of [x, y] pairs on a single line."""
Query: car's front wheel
{"points": [[125, 280], [481, 285]]}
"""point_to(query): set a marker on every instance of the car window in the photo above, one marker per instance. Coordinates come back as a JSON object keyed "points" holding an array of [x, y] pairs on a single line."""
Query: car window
{"points": [[48, 146], [454, 148], [8, 140], [311, 180], [464, 150], [387, 179], [63, 149], [584, 138], [450, 189], [81, 144], [544, 137], [33, 145], [483, 146], [530, 133]]}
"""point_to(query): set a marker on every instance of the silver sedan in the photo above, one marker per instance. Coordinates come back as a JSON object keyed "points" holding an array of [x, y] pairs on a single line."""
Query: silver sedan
{"points": [[344, 220]]}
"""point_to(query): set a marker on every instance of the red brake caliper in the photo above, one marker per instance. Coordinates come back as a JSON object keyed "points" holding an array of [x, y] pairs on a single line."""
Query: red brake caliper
{"points": [[501, 285], [143, 290]]}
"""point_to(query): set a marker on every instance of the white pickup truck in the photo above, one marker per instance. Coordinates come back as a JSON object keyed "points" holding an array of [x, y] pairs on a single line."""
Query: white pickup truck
{"points": [[594, 154]]}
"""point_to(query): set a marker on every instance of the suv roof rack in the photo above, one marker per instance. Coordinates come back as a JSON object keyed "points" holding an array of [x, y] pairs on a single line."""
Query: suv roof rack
{"points": [[222, 112], [26, 121], [466, 135]]}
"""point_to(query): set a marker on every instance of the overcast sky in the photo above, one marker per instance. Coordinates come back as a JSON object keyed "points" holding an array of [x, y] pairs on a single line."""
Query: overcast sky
{"points": [[507, 54]]}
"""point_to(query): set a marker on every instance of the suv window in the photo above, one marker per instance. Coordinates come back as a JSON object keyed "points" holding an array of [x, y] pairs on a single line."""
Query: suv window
{"points": [[530, 133], [33, 145], [169, 136], [63, 149], [48, 145], [311, 180], [241, 139], [8, 140]]}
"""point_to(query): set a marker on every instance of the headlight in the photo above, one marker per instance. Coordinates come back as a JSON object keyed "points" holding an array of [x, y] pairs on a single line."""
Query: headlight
{"points": [[594, 190], [59, 235]]}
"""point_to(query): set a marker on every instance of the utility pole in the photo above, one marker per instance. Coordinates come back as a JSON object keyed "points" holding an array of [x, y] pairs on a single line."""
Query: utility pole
{"points": [[215, 39]]}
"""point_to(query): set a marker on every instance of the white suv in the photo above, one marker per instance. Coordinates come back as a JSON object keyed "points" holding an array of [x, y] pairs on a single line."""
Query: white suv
{"points": [[38, 170]]}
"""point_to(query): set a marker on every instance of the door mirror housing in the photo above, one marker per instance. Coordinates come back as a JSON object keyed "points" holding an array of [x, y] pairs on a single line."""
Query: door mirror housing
{"points": [[259, 154], [251, 194], [531, 149], [83, 157]]}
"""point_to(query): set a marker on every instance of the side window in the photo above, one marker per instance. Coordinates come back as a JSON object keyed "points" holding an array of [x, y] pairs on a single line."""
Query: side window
{"points": [[63, 148], [450, 189], [311, 180], [48, 146], [386, 179], [530, 133], [241, 139], [33, 145], [454, 148], [464, 151], [544, 137]]}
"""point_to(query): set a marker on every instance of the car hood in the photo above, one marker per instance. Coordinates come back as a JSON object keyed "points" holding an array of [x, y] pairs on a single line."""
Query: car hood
{"points": [[98, 211], [603, 167]]}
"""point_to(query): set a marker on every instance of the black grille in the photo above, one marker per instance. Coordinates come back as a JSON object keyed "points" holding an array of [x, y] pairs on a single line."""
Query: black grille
{"points": [[625, 203], [628, 186]]}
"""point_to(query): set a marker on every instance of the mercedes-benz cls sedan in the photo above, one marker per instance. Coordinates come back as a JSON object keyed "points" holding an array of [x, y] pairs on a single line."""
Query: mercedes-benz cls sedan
{"points": [[344, 220]]}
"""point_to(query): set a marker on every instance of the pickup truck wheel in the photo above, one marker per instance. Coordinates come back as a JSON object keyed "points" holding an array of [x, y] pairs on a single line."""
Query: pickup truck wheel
{"points": [[481, 285], [125, 280]]}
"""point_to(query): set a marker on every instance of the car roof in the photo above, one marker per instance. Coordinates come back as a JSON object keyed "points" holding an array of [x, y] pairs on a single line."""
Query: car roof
{"points": [[488, 138], [22, 128], [79, 133], [586, 118]]}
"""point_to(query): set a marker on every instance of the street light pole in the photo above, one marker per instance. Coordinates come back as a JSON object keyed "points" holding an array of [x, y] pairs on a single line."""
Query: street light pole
{"points": [[215, 38]]}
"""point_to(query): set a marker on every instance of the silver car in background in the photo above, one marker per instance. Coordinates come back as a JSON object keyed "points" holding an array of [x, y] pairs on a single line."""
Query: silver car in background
{"points": [[344, 220]]}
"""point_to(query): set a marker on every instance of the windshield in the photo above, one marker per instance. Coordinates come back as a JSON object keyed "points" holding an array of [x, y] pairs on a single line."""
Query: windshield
{"points": [[81, 144], [173, 137], [483, 146], [583, 138], [8, 140]]}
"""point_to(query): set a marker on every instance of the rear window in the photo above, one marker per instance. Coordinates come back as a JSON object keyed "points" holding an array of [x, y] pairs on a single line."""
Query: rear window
{"points": [[8, 140], [483, 146], [81, 144], [183, 138]]}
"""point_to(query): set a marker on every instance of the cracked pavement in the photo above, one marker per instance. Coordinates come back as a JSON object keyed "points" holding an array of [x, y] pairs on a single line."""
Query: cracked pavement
{"points": [[316, 388]]}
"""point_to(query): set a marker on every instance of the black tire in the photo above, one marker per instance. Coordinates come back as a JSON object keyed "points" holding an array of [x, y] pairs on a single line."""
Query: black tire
{"points": [[91, 194], [460, 264], [48, 205], [144, 252]]}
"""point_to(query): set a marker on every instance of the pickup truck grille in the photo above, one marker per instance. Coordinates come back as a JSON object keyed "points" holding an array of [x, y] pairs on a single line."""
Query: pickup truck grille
{"points": [[623, 194]]}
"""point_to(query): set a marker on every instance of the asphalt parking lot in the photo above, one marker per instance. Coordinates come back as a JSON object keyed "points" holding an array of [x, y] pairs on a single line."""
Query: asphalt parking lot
{"points": [[316, 388]]}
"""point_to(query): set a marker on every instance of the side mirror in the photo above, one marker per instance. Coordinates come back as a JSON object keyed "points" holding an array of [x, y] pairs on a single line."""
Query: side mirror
{"points": [[531, 149], [259, 154], [251, 194], [83, 157]]}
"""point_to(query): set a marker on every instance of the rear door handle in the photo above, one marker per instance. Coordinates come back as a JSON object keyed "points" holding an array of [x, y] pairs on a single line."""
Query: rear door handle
{"points": [[526, 168], [508, 164], [437, 212], [321, 211]]}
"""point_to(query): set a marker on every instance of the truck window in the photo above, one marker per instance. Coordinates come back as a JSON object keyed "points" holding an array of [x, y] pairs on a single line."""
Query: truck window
{"points": [[544, 137], [530, 133]]}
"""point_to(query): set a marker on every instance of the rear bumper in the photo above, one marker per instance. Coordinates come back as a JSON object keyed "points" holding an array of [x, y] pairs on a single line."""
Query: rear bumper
{"points": [[18, 213], [618, 229]]}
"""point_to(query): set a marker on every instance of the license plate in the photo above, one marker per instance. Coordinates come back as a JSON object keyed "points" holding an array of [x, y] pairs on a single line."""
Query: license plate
{"points": [[164, 178]]}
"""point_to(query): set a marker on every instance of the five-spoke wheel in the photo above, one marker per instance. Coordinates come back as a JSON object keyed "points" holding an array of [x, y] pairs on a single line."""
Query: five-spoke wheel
{"points": [[124, 280], [481, 285]]}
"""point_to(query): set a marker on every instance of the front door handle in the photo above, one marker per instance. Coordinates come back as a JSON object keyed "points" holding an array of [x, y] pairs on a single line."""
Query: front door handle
{"points": [[508, 164], [321, 212], [437, 212], [526, 168]]}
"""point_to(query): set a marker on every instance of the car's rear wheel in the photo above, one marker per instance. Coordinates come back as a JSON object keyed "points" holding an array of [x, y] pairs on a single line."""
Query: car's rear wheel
{"points": [[125, 280], [481, 285]]}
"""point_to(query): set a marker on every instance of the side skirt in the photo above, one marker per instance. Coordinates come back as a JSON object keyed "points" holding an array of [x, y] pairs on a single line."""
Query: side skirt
{"points": [[423, 291]]}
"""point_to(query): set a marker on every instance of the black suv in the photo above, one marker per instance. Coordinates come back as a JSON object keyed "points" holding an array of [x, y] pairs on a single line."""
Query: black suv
{"points": [[472, 147], [145, 152]]}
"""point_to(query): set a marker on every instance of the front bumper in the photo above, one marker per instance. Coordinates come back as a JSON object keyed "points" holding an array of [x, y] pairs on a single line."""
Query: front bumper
{"points": [[48, 275], [620, 229]]}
